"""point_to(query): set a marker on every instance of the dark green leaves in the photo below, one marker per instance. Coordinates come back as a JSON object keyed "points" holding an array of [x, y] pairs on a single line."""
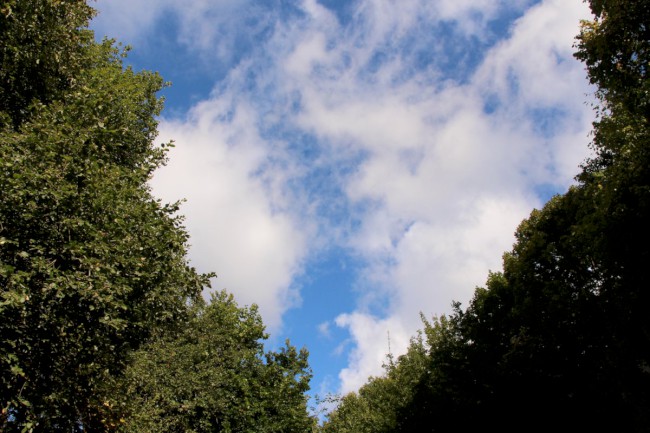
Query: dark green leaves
{"points": [[42, 51], [560, 340], [91, 265]]}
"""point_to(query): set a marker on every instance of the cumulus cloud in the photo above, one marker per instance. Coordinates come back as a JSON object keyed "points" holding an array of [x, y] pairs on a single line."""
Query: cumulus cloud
{"points": [[235, 227], [451, 169], [430, 130]]}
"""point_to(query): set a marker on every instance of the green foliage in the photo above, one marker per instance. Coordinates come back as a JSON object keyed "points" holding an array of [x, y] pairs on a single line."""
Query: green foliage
{"points": [[43, 49], [215, 376], [560, 340], [91, 265], [102, 323], [615, 47], [379, 405]]}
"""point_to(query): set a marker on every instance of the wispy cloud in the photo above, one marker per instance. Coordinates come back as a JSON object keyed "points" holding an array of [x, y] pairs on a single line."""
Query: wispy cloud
{"points": [[217, 32], [451, 198], [415, 135]]}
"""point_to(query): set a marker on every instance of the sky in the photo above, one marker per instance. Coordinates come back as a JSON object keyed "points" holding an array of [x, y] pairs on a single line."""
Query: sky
{"points": [[348, 165]]}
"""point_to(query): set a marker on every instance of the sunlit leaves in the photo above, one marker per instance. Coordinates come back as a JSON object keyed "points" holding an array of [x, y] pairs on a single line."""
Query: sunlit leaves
{"points": [[214, 375], [91, 265]]}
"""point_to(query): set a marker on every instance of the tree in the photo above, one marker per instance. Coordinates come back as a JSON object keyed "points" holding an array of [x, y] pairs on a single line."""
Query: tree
{"points": [[379, 405], [560, 340], [561, 337], [615, 47], [542, 346], [43, 49], [215, 376], [91, 264]]}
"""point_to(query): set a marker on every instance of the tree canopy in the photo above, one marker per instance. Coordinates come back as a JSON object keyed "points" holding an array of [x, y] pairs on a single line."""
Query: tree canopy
{"points": [[95, 287], [103, 324], [560, 339], [215, 376]]}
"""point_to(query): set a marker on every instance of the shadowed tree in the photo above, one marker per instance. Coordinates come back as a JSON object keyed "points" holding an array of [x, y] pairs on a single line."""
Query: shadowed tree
{"points": [[560, 340]]}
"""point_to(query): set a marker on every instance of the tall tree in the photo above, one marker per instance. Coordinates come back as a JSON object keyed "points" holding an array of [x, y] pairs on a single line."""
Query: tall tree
{"points": [[560, 340], [91, 264], [215, 376], [616, 49]]}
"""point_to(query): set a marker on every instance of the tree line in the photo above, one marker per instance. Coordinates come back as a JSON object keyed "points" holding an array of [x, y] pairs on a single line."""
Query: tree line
{"points": [[560, 339], [102, 323]]}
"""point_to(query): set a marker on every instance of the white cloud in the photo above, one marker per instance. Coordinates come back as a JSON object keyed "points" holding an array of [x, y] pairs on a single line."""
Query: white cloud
{"points": [[131, 20], [445, 217], [211, 28], [375, 339], [443, 167], [535, 67], [324, 329], [236, 229]]}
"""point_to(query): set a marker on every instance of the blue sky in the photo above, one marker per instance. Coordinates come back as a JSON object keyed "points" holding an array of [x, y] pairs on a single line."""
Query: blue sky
{"points": [[350, 164]]}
